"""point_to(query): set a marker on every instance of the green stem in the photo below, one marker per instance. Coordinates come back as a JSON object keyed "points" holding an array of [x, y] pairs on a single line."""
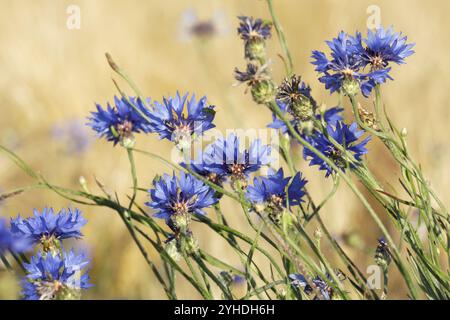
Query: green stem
{"points": [[281, 38], [133, 176], [273, 106]]}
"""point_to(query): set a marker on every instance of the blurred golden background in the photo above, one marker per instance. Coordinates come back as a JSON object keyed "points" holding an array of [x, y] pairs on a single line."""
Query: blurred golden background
{"points": [[50, 77]]}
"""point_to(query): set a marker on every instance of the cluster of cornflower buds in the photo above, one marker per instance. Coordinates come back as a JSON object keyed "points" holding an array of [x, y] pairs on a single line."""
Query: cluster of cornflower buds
{"points": [[255, 32]]}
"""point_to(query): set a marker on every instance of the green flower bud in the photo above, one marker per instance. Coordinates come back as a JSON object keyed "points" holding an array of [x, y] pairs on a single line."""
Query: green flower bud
{"points": [[182, 221], [190, 245], [172, 250], [66, 293], [350, 87], [303, 108], [128, 141], [255, 49], [263, 91]]}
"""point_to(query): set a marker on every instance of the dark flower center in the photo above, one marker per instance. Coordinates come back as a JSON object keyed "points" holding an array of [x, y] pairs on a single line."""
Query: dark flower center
{"points": [[180, 208], [125, 128], [48, 242], [213, 177], [237, 170], [377, 62], [276, 200], [336, 156], [181, 132], [348, 73]]}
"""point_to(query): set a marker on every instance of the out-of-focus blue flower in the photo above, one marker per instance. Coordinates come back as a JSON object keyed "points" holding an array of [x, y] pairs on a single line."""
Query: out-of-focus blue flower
{"points": [[191, 26], [46, 227], [73, 135], [10, 241], [299, 280], [60, 276], [177, 198], [271, 190], [346, 136], [251, 29], [226, 158], [5, 236], [178, 119], [121, 121]]}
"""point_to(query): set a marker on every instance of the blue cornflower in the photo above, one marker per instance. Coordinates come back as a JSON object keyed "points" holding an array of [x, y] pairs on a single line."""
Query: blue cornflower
{"points": [[346, 136], [378, 50], [383, 47], [251, 29], [176, 199], [299, 280], [225, 157], [5, 236], [10, 241], [274, 191], [178, 119], [73, 136], [118, 123], [54, 277], [344, 72], [48, 228], [200, 167]]}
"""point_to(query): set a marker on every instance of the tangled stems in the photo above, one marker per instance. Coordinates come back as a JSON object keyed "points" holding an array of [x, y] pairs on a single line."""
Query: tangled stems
{"points": [[405, 273], [420, 195]]}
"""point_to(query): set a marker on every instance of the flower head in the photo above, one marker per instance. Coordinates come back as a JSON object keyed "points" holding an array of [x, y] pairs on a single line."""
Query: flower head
{"points": [[299, 280], [344, 135], [384, 46], [225, 157], [254, 32], [118, 123], [342, 71], [296, 95], [48, 228], [178, 119], [251, 29], [276, 191], [252, 75], [177, 198], [383, 253], [381, 48], [51, 277]]}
